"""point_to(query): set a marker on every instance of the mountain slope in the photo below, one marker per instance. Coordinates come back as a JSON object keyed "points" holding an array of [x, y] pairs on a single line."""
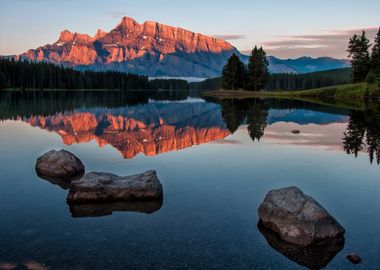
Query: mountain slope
{"points": [[159, 50], [150, 48], [305, 64]]}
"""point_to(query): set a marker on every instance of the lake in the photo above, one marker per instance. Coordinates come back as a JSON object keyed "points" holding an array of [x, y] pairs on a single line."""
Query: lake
{"points": [[216, 161]]}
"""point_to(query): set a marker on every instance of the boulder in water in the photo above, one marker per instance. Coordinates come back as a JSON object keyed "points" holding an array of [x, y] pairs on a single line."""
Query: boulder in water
{"points": [[59, 167], [100, 187], [298, 218]]}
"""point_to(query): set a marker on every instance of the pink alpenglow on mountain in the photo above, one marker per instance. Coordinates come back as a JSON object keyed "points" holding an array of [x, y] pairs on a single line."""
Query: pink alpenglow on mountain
{"points": [[150, 48]]}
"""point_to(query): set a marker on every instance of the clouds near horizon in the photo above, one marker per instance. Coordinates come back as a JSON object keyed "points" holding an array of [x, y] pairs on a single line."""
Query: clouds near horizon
{"points": [[331, 43], [230, 36]]}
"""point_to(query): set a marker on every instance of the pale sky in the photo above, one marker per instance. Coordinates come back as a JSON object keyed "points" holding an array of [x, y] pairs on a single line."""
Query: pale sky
{"points": [[290, 28]]}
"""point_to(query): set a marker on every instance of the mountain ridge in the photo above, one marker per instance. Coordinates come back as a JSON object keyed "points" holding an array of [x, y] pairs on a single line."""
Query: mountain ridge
{"points": [[158, 50], [306, 64], [149, 48]]}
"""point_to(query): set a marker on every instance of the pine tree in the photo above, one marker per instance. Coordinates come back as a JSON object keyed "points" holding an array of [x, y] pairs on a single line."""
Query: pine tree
{"points": [[3, 81], [375, 57], [233, 75], [258, 74], [358, 50]]}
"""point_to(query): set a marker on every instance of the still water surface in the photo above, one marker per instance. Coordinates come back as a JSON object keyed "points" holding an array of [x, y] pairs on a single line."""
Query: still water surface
{"points": [[216, 161]]}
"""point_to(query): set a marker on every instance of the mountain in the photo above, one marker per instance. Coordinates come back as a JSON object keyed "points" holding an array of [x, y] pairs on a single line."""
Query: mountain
{"points": [[159, 50], [150, 48], [305, 64]]}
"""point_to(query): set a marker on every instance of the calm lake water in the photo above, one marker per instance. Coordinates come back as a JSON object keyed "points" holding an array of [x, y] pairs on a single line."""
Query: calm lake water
{"points": [[216, 161]]}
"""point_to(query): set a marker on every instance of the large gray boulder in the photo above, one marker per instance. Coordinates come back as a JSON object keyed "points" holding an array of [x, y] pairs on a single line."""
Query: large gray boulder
{"points": [[298, 218], [99, 186], [61, 166]]}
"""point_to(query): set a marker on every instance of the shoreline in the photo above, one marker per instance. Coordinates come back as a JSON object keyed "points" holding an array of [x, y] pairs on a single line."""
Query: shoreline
{"points": [[350, 96]]}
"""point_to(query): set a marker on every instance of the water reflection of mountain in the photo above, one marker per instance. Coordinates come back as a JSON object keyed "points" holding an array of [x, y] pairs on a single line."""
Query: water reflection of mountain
{"points": [[151, 129], [146, 122], [304, 117]]}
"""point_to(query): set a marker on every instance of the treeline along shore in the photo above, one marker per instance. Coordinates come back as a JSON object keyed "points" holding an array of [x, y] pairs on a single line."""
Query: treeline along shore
{"points": [[289, 81], [25, 75]]}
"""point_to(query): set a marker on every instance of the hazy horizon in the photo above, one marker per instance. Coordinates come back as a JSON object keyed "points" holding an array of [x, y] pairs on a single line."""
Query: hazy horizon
{"points": [[286, 30]]}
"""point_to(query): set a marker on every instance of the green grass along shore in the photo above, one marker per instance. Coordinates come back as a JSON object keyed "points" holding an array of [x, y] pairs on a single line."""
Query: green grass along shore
{"points": [[350, 96]]}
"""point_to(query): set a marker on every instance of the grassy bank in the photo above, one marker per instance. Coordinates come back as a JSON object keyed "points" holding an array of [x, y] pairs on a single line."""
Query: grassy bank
{"points": [[348, 95]]}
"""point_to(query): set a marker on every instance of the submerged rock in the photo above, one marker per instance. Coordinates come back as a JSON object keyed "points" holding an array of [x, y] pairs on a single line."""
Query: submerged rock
{"points": [[354, 258], [59, 167], [99, 186], [298, 218], [316, 256], [80, 210]]}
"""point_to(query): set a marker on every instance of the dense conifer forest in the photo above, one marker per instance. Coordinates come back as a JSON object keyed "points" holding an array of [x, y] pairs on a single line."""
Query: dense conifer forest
{"points": [[289, 81], [40, 75]]}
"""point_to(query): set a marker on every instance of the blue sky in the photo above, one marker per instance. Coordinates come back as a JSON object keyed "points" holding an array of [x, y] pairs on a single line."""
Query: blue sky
{"points": [[284, 28]]}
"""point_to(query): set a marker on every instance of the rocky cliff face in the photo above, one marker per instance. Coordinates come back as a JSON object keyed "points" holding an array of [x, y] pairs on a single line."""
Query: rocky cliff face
{"points": [[150, 48]]}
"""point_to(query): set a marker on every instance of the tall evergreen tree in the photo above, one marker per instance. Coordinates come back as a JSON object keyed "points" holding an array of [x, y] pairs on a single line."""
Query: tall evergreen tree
{"points": [[375, 57], [258, 74], [233, 75], [358, 50]]}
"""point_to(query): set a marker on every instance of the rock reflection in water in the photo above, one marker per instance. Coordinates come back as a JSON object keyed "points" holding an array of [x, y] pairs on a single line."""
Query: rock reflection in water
{"points": [[313, 257], [106, 209]]}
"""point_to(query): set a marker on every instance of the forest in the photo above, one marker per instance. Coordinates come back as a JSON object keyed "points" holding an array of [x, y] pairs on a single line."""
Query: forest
{"points": [[289, 81], [39, 75]]}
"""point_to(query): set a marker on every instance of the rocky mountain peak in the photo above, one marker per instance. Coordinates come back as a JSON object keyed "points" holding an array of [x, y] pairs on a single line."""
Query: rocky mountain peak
{"points": [[149, 48], [67, 36], [99, 34], [128, 23]]}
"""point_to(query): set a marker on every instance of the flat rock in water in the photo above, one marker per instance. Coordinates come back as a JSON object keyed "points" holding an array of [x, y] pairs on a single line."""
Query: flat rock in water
{"points": [[298, 218], [296, 131], [61, 166], [100, 187]]}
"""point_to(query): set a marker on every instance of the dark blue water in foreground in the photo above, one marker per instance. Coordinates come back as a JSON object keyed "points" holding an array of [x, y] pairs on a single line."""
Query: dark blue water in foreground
{"points": [[214, 181]]}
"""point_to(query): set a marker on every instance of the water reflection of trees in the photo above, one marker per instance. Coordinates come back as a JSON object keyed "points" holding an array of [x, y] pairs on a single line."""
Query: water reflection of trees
{"points": [[27, 103], [254, 111], [363, 132]]}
